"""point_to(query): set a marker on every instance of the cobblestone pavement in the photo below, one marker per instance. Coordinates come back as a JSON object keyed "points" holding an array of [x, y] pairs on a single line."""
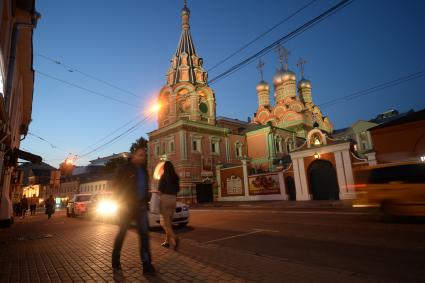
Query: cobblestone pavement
{"points": [[77, 250]]}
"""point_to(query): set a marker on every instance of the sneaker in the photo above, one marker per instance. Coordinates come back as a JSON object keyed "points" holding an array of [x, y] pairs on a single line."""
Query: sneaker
{"points": [[148, 269]]}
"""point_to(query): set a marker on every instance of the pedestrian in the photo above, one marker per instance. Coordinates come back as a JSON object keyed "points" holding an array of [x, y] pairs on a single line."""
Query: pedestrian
{"points": [[24, 205], [50, 206], [169, 187], [33, 204], [16, 205], [132, 192]]}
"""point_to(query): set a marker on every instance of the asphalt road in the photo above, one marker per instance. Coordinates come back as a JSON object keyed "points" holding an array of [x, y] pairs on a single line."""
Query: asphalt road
{"points": [[343, 239]]}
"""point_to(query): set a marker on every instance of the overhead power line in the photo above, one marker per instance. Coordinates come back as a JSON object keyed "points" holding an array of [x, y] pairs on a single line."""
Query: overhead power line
{"points": [[128, 131], [334, 9], [108, 135], [262, 35], [85, 89], [374, 89], [46, 141], [73, 69]]}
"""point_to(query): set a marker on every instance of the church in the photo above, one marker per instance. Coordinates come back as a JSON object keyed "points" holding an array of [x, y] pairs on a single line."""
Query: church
{"points": [[203, 146]]}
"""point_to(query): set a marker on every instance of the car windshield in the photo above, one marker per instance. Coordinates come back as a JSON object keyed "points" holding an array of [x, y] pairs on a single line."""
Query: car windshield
{"points": [[83, 198]]}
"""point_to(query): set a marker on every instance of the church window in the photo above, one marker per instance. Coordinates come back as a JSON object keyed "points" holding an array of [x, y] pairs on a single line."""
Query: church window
{"points": [[157, 150], [238, 150], [203, 107], [196, 145], [215, 146], [278, 144]]}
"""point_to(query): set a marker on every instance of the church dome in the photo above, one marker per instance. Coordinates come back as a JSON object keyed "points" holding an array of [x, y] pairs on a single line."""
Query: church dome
{"points": [[283, 76], [263, 86], [304, 83]]}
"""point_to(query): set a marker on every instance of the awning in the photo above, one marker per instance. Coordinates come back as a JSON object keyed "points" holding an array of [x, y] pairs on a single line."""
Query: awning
{"points": [[28, 156]]}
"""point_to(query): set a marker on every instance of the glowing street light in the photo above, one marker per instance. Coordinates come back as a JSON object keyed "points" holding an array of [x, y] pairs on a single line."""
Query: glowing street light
{"points": [[155, 107]]}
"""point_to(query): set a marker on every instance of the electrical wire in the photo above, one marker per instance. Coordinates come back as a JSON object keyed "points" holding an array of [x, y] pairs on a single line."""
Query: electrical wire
{"points": [[373, 89], [262, 35], [334, 9], [85, 89], [73, 69]]}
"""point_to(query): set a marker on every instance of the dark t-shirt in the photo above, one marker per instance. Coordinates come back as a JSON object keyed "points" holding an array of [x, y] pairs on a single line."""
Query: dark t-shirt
{"points": [[169, 184]]}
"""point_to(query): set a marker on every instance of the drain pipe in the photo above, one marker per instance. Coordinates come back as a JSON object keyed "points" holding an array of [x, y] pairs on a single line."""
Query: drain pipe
{"points": [[12, 59]]}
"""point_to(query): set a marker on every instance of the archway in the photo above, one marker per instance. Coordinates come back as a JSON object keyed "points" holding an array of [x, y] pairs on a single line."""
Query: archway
{"points": [[323, 180]]}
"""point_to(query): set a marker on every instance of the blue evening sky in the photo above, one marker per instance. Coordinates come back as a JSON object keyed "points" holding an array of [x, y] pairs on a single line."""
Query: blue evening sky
{"points": [[129, 43]]}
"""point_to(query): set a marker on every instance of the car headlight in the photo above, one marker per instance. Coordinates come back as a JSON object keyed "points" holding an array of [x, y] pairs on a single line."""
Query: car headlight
{"points": [[185, 208], [107, 207]]}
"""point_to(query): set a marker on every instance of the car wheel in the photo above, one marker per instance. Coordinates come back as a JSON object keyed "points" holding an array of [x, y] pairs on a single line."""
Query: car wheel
{"points": [[183, 224]]}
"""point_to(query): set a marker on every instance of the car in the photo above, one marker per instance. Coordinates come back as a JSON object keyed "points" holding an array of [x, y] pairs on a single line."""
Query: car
{"points": [[78, 205], [396, 189], [180, 217]]}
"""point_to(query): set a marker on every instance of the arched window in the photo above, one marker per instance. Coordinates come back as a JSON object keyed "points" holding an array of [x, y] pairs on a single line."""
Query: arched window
{"points": [[278, 144], [239, 150]]}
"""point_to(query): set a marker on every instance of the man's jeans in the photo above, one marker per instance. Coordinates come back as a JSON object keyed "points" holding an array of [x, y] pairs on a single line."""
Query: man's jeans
{"points": [[141, 218]]}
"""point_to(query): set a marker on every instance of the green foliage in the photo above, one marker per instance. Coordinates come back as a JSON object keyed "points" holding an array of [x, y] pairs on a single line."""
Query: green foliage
{"points": [[140, 143], [114, 163]]}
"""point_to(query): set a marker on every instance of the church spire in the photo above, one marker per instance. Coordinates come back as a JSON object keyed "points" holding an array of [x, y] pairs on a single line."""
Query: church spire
{"points": [[186, 66]]}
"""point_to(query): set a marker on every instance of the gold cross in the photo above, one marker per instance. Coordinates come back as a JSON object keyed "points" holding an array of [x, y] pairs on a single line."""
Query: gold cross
{"points": [[283, 55], [300, 65], [260, 67]]}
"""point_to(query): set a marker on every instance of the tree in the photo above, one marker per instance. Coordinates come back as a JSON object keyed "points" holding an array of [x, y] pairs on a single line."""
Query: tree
{"points": [[140, 143], [113, 164]]}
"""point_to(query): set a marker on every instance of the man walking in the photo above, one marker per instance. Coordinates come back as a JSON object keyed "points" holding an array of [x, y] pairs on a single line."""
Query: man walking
{"points": [[132, 192], [33, 204]]}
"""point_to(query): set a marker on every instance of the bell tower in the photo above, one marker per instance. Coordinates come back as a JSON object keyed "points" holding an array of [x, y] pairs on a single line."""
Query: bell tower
{"points": [[186, 94]]}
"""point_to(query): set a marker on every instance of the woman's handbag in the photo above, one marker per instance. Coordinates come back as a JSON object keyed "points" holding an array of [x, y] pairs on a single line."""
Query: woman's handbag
{"points": [[154, 203]]}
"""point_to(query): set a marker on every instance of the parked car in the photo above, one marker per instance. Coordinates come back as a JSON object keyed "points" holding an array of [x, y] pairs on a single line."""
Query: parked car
{"points": [[180, 217], [78, 205], [397, 189]]}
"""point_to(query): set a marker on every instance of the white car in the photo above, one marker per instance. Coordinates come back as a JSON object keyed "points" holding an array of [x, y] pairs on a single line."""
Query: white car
{"points": [[78, 205], [180, 217]]}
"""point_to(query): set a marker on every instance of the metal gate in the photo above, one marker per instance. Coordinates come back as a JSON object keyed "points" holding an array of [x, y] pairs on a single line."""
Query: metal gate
{"points": [[204, 193], [323, 180]]}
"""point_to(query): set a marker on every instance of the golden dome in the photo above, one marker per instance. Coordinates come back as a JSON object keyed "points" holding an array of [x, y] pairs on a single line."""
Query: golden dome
{"points": [[304, 83], [263, 86], [283, 76]]}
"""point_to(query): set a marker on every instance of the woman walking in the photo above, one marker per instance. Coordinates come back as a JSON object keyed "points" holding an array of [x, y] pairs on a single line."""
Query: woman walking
{"points": [[168, 187], [50, 206]]}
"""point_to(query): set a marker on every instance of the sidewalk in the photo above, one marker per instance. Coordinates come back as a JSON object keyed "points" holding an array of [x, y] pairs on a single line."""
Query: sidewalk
{"points": [[77, 250], [284, 204]]}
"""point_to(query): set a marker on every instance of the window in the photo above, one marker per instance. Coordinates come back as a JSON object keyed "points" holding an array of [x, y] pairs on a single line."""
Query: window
{"points": [[196, 145], [215, 146], [157, 149], [171, 146], [238, 150], [278, 144]]}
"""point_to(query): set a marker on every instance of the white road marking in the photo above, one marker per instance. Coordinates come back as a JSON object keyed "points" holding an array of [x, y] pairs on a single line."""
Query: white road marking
{"points": [[282, 212], [256, 231]]}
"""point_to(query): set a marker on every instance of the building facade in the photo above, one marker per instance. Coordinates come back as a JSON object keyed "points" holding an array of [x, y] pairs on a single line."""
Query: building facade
{"points": [[18, 18], [188, 133]]}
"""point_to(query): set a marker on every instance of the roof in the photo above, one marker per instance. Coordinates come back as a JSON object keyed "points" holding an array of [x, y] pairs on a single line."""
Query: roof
{"points": [[233, 120], [185, 47], [389, 116], [101, 161], [409, 117]]}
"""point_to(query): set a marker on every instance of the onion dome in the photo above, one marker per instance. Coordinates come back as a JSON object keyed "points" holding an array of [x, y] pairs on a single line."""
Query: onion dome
{"points": [[263, 86], [304, 83], [283, 76]]}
